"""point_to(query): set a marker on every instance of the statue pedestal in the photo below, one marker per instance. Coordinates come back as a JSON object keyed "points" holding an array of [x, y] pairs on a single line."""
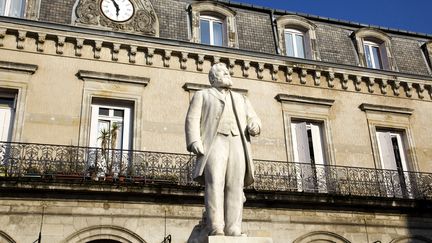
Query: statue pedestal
{"points": [[231, 239]]}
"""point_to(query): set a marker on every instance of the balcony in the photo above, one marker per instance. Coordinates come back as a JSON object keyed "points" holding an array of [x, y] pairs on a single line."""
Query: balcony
{"points": [[31, 163]]}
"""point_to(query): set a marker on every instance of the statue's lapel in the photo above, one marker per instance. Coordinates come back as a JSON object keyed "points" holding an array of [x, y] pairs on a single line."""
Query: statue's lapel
{"points": [[217, 94]]}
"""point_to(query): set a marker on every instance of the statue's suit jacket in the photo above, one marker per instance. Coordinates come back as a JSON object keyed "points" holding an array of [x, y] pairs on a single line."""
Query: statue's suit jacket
{"points": [[202, 123]]}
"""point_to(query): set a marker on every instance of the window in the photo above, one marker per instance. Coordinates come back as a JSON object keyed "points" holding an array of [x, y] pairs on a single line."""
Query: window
{"points": [[393, 158], [213, 23], [297, 37], [12, 8], [7, 113], [294, 43], [374, 49], [307, 142], [212, 31], [108, 120], [372, 54], [308, 149]]}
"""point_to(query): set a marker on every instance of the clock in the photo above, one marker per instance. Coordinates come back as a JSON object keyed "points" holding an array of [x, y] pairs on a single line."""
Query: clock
{"points": [[117, 10]]}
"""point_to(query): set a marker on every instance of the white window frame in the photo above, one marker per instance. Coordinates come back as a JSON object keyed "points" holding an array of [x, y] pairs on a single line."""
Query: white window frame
{"points": [[7, 8], [213, 20], [369, 45], [7, 117], [388, 161], [126, 124], [293, 34], [317, 180]]}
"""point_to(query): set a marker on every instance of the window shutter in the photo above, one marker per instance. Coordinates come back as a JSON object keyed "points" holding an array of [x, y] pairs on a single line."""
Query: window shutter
{"points": [[6, 114], [94, 126], [302, 145], [317, 144], [385, 145]]}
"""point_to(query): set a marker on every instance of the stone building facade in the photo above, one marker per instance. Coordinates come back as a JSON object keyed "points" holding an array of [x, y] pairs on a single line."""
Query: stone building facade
{"points": [[345, 153]]}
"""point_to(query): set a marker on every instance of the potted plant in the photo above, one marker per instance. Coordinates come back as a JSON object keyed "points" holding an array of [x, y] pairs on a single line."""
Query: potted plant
{"points": [[108, 139]]}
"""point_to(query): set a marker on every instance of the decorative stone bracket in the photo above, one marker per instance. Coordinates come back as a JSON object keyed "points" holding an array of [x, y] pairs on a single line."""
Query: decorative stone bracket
{"points": [[241, 65]]}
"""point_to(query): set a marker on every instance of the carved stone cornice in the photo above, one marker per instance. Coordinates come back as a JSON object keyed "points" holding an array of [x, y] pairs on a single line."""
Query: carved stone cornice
{"points": [[71, 41], [144, 20], [90, 75], [304, 99], [18, 67], [385, 108], [196, 87]]}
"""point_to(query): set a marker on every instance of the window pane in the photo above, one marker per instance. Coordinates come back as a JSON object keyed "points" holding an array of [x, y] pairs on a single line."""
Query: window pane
{"points": [[104, 111], [217, 33], [376, 56], [2, 7], [368, 57], [289, 45], [300, 47], [16, 8], [205, 31], [118, 113]]}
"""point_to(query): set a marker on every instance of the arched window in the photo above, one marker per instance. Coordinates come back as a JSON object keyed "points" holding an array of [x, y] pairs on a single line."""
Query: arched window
{"points": [[12, 8], [294, 43], [213, 24], [373, 54], [212, 30], [374, 49], [297, 37]]}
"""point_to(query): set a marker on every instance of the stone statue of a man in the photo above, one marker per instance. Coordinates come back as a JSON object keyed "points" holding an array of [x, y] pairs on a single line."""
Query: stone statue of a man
{"points": [[219, 124]]}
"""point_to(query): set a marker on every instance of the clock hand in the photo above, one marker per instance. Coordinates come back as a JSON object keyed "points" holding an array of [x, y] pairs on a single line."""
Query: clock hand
{"points": [[116, 6]]}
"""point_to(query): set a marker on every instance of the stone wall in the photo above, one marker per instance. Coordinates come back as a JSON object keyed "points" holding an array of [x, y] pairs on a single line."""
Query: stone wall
{"points": [[73, 220]]}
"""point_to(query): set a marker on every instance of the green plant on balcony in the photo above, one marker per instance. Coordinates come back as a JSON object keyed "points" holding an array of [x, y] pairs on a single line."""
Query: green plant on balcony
{"points": [[108, 139]]}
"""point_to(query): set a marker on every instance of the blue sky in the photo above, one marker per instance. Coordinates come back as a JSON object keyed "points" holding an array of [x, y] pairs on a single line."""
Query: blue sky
{"points": [[411, 15]]}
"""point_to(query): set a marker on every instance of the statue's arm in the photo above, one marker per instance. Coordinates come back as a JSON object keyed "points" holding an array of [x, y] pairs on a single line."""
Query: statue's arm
{"points": [[253, 121], [192, 124]]}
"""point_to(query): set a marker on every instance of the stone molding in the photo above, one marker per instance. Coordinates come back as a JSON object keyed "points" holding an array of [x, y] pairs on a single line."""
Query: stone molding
{"points": [[144, 20], [20, 67], [32, 9], [191, 57], [195, 87], [103, 232], [87, 75], [323, 236], [427, 47], [304, 99], [6, 238], [412, 239], [384, 108], [303, 25], [220, 11], [382, 39]]}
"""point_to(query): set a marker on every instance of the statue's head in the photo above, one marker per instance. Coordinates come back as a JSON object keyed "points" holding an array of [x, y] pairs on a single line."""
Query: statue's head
{"points": [[219, 76]]}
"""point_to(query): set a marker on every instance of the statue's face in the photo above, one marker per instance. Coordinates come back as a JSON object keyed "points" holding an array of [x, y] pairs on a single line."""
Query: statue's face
{"points": [[222, 77]]}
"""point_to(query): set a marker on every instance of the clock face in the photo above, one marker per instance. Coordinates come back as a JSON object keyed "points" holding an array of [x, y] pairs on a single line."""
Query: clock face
{"points": [[117, 10]]}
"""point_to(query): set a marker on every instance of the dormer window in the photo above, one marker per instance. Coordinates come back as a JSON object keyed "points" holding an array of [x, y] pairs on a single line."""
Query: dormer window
{"points": [[212, 30], [297, 37], [372, 54], [294, 43], [12, 8], [213, 23], [374, 49]]}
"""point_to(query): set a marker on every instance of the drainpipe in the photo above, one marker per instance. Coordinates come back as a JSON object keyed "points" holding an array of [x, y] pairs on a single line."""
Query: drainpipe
{"points": [[275, 32]]}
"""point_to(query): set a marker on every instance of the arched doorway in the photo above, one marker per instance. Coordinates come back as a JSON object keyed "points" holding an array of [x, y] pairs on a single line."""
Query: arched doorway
{"points": [[104, 241]]}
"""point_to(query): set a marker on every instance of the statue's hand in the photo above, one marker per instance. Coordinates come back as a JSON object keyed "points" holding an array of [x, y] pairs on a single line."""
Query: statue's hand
{"points": [[253, 129], [197, 148]]}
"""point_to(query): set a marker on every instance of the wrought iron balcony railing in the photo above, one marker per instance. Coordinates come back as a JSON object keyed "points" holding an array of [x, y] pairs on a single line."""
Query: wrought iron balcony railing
{"points": [[29, 161]]}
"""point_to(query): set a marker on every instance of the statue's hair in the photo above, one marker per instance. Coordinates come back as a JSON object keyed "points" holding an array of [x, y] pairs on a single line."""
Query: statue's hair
{"points": [[212, 75]]}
